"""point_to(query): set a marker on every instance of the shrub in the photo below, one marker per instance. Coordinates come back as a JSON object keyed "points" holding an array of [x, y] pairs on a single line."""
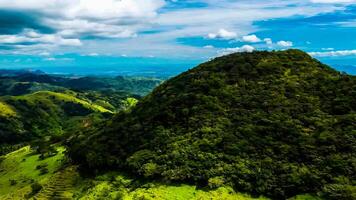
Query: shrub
{"points": [[13, 182], [42, 168], [339, 192], [216, 182], [35, 188], [38, 167]]}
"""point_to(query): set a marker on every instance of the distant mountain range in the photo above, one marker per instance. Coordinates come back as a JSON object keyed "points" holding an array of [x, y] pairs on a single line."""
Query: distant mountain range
{"points": [[139, 71], [14, 72], [17, 82]]}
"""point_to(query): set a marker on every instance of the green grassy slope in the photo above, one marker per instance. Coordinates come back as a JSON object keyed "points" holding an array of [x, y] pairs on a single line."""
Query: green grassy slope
{"points": [[164, 192], [61, 98], [114, 185], [184, 192], [117, 186], [43, 113], [19, 167]]}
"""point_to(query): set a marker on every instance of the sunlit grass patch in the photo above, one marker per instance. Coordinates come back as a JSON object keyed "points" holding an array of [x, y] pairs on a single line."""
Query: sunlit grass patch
{"points": [[19, 170], [6, 110], [44, 95], [117, 186]]}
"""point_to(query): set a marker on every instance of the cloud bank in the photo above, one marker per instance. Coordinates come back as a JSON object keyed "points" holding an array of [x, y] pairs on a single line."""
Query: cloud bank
{"points": [[245, 48], [333, 53], [251, 38], [149, 27]]}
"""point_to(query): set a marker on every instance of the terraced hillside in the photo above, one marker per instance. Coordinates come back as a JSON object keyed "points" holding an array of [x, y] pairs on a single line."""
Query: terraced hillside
{"points": [[60, 185]]}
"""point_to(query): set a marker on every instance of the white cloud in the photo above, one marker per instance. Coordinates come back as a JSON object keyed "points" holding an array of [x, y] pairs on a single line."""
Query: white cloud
{"points": [[30, 36], [103, 18], [327, 49], [72, 28], [208, 47], [245, 48], [58, 59], [251, 38], [89, 9], [50, 59], [333, 1], [268, 41], [351, 23], [91, 54], [45, 53], [285, 43], [223, 34], [334, 53]]}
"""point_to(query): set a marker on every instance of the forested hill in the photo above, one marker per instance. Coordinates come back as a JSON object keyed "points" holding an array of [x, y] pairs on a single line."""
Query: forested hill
{"points": [[273, 123]]}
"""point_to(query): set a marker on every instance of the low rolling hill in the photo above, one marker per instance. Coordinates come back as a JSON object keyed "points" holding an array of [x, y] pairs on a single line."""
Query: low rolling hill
{"points": [[41, 114], [35, 105], [24, 83]]}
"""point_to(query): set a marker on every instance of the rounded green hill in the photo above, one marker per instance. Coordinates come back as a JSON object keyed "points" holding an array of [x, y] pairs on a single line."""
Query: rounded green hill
{"points": [[272, 123]]}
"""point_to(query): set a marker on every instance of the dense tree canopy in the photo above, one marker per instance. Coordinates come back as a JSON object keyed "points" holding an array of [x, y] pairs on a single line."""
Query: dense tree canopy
{"points": [[271, 123]]}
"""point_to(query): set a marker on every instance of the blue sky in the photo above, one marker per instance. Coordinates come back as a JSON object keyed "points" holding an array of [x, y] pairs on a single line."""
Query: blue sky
{"points": [[89, 36]]}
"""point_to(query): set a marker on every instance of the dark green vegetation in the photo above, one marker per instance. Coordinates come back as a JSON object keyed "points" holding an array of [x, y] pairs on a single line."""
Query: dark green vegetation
{"points": [[272, 123]]}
